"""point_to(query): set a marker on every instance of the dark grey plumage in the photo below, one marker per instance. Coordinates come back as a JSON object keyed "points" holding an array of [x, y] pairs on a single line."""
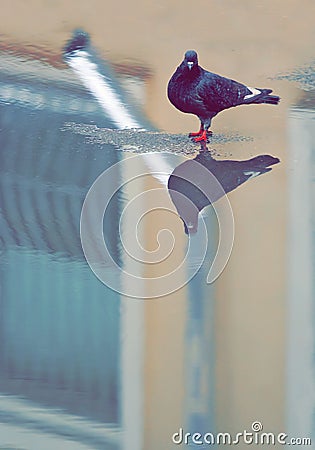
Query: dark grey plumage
{"points": [[194, 90], [192, 188]]}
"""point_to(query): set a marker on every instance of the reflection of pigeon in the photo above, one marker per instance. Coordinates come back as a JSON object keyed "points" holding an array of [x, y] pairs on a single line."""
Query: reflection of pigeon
{"points": [[192, 187], [194, 90]]}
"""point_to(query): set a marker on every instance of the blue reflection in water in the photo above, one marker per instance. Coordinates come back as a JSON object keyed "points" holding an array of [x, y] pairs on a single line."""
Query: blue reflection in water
{"points": [[200, 339], [59, 324]]}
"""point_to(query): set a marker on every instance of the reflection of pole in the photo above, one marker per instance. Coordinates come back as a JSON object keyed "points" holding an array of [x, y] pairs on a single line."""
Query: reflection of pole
{"points": [[101, 86], [199, 348], [100, 82]]}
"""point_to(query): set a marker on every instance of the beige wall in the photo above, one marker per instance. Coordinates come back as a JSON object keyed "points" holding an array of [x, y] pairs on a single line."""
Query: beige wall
{"points": [[251, 42]]}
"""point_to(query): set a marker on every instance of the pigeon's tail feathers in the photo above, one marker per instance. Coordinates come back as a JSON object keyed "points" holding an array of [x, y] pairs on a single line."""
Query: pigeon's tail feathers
{"points": [[264, 96], [265, 160], [262, 163], [270, 99]]}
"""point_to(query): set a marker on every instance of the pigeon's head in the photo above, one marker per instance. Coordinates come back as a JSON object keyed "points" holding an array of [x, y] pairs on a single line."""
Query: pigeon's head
{"points": [[191, 59]]}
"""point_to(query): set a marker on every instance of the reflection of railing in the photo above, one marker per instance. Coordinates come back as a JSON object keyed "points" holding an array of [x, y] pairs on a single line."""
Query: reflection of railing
{"points": [[45, 174], [30, 426], [59, 324], [59, 335]]}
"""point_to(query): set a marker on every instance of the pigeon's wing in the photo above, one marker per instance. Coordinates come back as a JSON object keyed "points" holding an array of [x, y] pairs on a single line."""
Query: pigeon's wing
{"points": [[218, 93]]}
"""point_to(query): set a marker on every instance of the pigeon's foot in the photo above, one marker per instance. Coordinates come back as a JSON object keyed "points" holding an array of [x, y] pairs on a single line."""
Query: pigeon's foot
{"points": [[199, 133], [203, 137]]}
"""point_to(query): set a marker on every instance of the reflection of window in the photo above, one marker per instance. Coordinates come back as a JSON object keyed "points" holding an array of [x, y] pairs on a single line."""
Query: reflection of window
{"points": [[301, 281], [59, 324]]}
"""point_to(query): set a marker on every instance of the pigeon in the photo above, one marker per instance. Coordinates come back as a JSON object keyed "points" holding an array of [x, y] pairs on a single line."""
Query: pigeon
{"points": [[192, 188], [194, 90]]}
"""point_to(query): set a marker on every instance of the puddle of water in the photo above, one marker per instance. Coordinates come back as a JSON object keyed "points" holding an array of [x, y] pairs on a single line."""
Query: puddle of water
{"points": [[303, 76], [140, 141]]}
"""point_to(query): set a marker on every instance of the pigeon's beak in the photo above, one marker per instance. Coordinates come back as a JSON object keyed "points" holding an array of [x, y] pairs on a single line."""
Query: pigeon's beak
{"points": [[190, 65]]}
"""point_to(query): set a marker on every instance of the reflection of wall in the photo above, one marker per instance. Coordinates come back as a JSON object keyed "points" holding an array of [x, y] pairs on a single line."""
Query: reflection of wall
{"points": [[301, 268]]}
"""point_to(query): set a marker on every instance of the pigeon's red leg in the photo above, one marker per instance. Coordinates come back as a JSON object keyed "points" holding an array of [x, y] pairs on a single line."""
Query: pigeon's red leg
{"points": [[201, 137], [199, 133]]}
